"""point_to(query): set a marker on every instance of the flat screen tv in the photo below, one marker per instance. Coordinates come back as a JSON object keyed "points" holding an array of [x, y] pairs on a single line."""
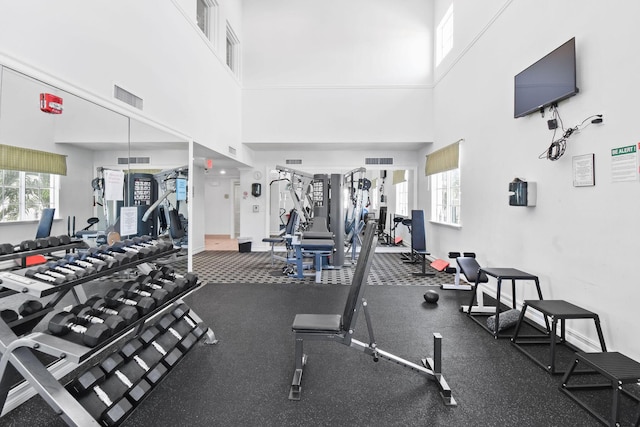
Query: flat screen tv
{"points": [[548, 81]]}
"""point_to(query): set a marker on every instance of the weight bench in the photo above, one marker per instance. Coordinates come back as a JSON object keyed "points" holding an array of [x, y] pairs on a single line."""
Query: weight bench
{"points": [[469, 270], [418, 242], [340, 328]]}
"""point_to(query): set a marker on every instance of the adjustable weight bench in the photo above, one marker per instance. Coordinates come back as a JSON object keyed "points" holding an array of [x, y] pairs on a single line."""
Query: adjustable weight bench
{"points": [[418, 242], [456, 286], [470, 269], [340, 328]]}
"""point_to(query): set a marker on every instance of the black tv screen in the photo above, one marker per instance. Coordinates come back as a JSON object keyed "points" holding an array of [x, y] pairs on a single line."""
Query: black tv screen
{"points": [[548, 81]]}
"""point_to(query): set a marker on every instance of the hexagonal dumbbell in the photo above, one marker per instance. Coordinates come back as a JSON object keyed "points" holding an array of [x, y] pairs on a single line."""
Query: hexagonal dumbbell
{"points": [[64, 322], [133, 288], [128, 313], [98, 396], [129, 374], [155, 278], [114, 322], [136, 351], [145, 305]]}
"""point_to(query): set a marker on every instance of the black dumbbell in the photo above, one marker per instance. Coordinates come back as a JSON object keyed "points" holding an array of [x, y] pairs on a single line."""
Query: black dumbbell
{"points": [[135, 350], [123, 247], [154, 278], [180, 329], [144, 304], [81, 270], [6, 248], [53, 241], [114, 322], [127, 312], [65, 322], [85, 260], [100, 400], [181, 312], [42, 243], [133, 288], [169, 273], [129, 374], [64, 239], [148, 283], [126, 256], [165, 346], [29, 307], [8, 315], [26, 245], [43, 269], [35, 274], [103, 254], [55, 266], [149, 249], [161, 245]]}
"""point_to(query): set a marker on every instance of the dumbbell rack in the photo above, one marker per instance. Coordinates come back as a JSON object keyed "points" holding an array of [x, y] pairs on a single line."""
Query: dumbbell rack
{"points": [[18, 359]]}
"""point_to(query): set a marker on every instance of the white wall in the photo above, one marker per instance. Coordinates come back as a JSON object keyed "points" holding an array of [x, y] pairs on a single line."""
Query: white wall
{"points": [[577, 240], [333, 71]]}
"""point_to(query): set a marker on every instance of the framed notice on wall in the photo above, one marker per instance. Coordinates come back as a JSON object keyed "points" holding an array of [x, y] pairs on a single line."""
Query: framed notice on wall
{"points": [[583, 171]]}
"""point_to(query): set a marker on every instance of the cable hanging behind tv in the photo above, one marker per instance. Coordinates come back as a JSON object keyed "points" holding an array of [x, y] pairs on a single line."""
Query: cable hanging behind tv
{"points": [[546, 82]]}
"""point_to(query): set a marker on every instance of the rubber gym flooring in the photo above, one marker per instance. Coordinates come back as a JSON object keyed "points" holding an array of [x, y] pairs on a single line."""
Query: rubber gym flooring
{"points": [[244, 379]]}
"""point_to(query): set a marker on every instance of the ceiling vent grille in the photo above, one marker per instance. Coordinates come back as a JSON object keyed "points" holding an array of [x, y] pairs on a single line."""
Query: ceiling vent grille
{"points": [[133, 160], [294, 161], [232, 150], [378, 161], [127, 97]]}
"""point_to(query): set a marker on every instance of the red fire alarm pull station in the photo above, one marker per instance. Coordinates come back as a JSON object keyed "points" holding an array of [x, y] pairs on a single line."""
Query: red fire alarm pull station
{"points": [[50, 103]]}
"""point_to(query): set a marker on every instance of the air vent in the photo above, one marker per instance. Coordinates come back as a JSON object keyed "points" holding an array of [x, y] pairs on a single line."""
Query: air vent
{"points": [[127, 97], [232, 150], [133, 160], [378, 161], [294, 161]]}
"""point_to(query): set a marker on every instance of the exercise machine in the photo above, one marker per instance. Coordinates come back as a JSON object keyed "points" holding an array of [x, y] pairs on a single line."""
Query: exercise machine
{"points": [[340, 328], [300, 188], [173, 185], [358, 187]]}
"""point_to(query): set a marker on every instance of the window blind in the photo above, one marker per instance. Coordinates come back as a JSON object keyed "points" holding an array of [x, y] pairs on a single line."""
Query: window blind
{"points": [[443, 160], [398, 177], [28, 160]]}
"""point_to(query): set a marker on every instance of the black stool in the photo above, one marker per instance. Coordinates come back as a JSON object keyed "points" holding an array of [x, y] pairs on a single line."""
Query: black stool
{"points": [[617, 368]]}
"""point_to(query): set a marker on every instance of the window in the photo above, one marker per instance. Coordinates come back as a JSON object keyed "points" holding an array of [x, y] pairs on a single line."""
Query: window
{"points": [[445, 197], [233, 51], [207, 18], [202, 16], [402, 197], [23, 195], [444, 35]]}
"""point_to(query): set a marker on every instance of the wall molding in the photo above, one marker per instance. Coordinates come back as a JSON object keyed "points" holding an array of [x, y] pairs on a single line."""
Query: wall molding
{"points": [[340, 87]]}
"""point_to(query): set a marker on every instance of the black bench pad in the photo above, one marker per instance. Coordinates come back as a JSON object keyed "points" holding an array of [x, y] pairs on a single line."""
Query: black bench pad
{"points": [[317, 322]]}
